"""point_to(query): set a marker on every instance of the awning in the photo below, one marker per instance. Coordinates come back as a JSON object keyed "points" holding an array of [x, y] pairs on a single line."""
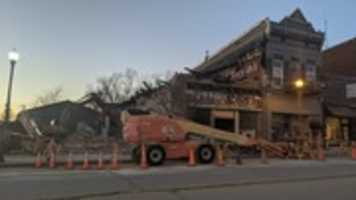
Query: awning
{"points": [[341, 111], [223, 114], [291, 104]]}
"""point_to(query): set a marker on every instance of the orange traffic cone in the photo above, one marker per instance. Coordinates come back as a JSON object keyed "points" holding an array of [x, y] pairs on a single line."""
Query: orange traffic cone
{"points": [[86, 164], [52, 161], [100, 164], [38, 161], [191, 161], [143, 164], [70, 163], [321, 154], [353, 151], [220, 157], [115, 161]]}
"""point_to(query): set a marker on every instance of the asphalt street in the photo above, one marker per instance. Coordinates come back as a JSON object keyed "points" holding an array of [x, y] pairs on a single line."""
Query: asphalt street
{"points": [[329, 189], [333, 179]]}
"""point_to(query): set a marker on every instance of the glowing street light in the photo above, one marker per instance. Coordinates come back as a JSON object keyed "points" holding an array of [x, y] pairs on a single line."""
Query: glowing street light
{"points": [[13, 57], [299, 83]]}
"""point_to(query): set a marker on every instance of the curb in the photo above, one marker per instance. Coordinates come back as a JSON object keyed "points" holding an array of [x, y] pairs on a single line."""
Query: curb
{"points": [[58, 163]]}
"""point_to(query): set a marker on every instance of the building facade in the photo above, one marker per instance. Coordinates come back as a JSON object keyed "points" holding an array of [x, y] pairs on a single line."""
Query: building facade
{"points": [[339, 92], [248, 86]]}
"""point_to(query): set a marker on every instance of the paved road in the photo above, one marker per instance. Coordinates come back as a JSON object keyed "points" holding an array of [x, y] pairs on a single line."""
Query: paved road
{"points": [[332, 189], [296, 179]]}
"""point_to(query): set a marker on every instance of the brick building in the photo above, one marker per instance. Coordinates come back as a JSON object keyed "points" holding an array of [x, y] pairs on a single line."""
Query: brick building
{"points": [[339, 94], [248, 85]]}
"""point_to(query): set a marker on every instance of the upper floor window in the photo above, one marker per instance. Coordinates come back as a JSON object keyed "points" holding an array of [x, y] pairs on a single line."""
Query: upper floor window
{"points": [[277, 73], [351, 90], [294, 70], [310, 71]]}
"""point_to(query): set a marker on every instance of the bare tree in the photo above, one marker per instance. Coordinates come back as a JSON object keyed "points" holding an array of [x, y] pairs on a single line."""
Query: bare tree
{"points": [[48, 97], [117, 87], [159, 91]]}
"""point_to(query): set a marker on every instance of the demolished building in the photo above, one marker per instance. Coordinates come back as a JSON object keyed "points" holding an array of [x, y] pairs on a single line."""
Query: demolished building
{"points": [[248, 86], [60, 118]]}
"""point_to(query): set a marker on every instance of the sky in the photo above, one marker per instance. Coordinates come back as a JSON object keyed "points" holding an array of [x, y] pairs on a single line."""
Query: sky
{"points": [[70, 43]]}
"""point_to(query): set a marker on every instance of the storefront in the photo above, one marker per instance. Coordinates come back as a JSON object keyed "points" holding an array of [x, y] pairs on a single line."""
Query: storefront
{"points": [[292, 117], [233, 119], [240, 121], [340, 127]]}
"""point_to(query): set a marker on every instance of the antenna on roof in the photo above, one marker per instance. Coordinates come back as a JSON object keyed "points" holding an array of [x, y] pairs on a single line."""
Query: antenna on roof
{"points": [[326, 44], [206, 56]]}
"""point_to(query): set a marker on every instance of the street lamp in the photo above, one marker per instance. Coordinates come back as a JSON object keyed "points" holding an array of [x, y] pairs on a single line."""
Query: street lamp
{"points": [[13, 57], [299, 83]]}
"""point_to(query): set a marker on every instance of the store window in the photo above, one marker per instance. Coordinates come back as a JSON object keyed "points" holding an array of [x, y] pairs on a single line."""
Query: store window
{"points": [[281, 129], [294, 69], [248, 123]]}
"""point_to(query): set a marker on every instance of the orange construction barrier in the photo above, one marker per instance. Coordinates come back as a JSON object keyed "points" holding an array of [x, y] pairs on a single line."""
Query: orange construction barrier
{"points": [[144, 164], [86, 164], [52, 161], [38, 161], [70, 163], [100, 164], [191, 161], [220, 158]]}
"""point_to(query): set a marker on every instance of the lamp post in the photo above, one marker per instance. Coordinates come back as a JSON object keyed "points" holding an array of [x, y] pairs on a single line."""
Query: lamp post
{"points": [[13, 57], [299, 83]]}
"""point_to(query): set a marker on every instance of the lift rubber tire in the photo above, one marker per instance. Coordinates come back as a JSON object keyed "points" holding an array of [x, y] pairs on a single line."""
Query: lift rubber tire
{"points": [[206, 154], [156, 155]]}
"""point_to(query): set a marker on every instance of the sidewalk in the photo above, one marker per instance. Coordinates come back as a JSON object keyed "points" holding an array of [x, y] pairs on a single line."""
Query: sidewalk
{"points": [[77, 184], [28, 160]]}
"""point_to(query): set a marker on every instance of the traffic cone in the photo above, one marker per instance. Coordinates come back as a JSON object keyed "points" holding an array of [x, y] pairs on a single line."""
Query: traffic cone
{"points": [[114, 159], [100, 164], [353, 151], [70, 163], [191, 161], [321, 154], [143, 164], [52, 161], [38, 161], [220, 157], [86, 164]]}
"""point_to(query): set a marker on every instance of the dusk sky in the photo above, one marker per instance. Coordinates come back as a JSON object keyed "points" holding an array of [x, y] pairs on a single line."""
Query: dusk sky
{"points": [[70, 43]]}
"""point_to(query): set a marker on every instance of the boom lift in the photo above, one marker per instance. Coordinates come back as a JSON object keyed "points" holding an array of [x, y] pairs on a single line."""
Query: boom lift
{"points": [[170, 138]]}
